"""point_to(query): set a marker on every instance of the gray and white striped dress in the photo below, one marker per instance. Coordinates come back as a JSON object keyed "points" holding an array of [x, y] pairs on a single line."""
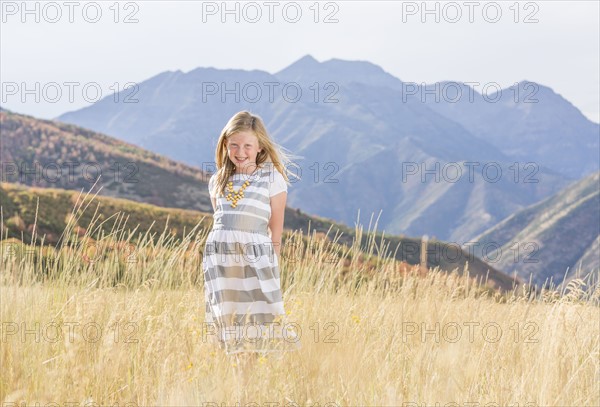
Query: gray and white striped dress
{"points": [[242, 286]]}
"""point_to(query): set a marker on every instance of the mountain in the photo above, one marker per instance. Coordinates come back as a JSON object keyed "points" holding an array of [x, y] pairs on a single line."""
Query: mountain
{"points": [[527, 121], [367, 167], [359, 136], [543, 240]]}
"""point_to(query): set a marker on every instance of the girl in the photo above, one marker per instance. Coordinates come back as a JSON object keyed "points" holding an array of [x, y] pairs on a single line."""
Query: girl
{"points": [[242, 288]]}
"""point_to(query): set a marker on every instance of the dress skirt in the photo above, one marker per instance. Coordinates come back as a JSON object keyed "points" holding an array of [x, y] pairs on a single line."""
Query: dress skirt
{"points": [[242, 286]]}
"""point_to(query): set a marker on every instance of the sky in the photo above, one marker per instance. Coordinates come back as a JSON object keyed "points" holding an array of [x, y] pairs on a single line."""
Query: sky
{"points": [[101, 46]]}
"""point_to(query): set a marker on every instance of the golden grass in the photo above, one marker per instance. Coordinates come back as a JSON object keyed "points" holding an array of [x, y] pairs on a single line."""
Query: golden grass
{"points": [[132, 332]]}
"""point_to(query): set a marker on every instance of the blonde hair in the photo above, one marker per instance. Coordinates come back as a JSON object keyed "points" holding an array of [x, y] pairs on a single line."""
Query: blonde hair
{"points": [[271, 152]]}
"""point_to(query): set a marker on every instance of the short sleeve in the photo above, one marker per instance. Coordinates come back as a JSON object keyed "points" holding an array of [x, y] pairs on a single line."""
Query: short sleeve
{"points": [[277, 184], [211, 185]]}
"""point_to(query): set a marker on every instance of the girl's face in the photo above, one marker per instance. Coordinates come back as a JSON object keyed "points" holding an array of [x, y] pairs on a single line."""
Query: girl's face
{"points": [[242, 149]]}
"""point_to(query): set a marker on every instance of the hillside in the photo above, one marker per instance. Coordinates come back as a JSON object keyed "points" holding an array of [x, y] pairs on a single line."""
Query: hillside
{"points": [[120, 215], [51, 154], [558, 233]]}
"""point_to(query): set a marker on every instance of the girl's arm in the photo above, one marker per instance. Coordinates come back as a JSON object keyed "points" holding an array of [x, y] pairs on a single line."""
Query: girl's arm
{"points": [[276, 222]]}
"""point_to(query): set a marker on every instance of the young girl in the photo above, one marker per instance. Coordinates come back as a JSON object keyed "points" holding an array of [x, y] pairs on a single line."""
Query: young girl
{"points": [[242, 287]]}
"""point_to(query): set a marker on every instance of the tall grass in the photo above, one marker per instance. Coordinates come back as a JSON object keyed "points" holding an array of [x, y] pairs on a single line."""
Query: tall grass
{"points": [[374, 331]]}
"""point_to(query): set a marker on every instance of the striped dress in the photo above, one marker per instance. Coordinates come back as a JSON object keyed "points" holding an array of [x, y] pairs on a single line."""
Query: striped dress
{"points": [[242, 287]]}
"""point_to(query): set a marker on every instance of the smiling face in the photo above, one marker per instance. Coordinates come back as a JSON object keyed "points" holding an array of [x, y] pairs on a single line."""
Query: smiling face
{"points": [[242, 149]]}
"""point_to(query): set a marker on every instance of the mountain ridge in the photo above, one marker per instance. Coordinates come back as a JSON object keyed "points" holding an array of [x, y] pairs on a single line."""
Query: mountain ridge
{"points": [[337, 128], [572, 215]]}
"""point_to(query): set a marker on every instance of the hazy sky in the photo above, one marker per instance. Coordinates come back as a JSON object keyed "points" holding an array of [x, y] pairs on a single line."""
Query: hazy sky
{"points": [[560, 50]]}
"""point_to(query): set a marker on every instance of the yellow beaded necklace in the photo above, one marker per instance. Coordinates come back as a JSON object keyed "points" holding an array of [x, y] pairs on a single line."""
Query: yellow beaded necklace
{"points": [[234, 196]]}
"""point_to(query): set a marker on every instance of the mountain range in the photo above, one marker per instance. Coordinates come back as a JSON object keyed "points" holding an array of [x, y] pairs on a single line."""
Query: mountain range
{"points": [[365, 144]]}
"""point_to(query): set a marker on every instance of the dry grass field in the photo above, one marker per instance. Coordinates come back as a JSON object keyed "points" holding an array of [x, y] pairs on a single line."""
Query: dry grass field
{"points": [[87, 325]]}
